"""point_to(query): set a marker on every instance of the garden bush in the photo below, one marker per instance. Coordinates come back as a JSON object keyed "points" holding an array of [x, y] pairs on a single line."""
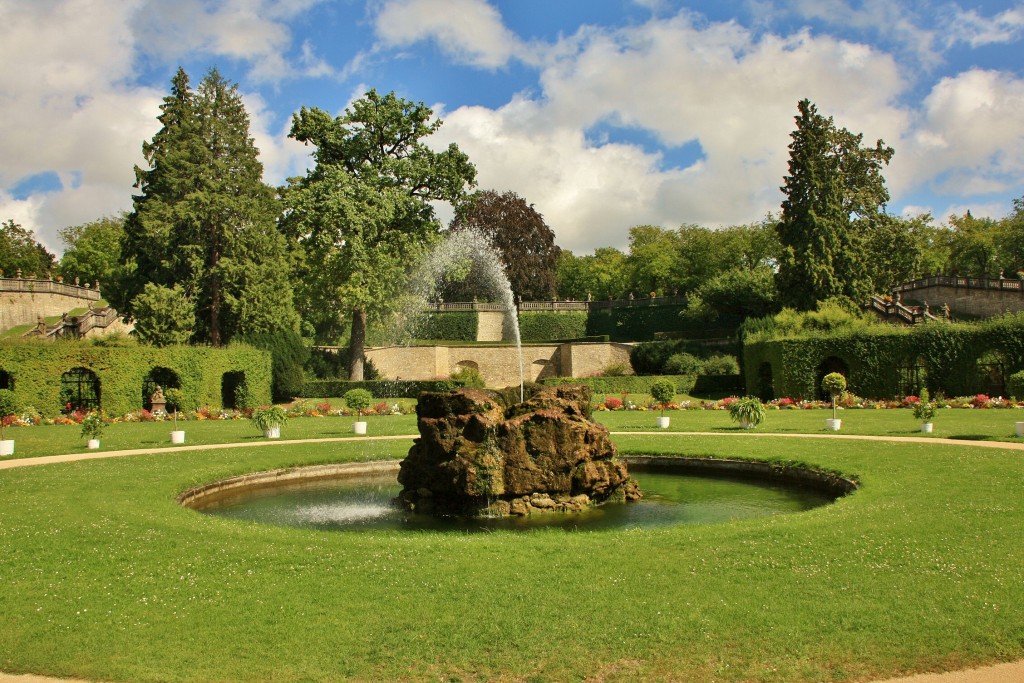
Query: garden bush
{"points": [[288, 354], [684, 364], [449, 326], [543, 326], [469, 377], [720, 364], [336, 388], [631, 384]]}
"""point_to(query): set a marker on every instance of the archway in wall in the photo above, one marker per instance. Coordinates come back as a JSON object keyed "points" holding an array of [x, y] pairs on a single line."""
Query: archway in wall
{"points": [[912, 377], [541, 369], [80, 389], [165, 378], [828, 366], [467, 364], [6, 380], [992, 372], [765, 386], [233, 390]]}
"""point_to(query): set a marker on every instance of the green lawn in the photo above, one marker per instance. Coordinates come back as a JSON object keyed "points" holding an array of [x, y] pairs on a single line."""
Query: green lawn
{"points": [[106, 577]]}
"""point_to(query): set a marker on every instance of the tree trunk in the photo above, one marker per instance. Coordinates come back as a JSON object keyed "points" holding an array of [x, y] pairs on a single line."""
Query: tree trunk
{"points": [[356, 346]]}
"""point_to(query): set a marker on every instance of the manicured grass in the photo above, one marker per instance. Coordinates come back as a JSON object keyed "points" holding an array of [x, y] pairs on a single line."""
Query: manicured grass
{"points": [[106, 577]]}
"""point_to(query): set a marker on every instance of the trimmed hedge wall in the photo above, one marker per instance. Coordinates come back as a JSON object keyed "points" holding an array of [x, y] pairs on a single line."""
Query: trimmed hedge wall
{"points": [[545, 326], [878, 361], [36, 369], [628, 384], [449, 326], [336, 388]]}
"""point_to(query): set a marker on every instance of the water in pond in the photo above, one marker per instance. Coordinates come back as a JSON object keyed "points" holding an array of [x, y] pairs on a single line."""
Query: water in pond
{"points": [[365, 503]]}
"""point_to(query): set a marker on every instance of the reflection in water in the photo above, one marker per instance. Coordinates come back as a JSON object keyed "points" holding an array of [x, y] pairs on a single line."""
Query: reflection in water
{"points": [[365, 503]]}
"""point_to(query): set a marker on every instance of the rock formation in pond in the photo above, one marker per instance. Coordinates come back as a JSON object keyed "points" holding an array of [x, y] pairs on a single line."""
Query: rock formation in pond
{"points": [[475, 456]]}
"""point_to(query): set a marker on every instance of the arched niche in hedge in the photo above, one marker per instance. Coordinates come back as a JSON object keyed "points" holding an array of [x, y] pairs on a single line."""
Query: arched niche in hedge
{"points": [[913, 376], [80, 389], [165, 378], [6, 380], [829, 365], [765, 387], [234, 390], [993, 371]]}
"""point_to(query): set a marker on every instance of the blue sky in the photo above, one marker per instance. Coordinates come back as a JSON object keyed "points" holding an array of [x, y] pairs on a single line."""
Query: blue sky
{"points": [[604, 114]]}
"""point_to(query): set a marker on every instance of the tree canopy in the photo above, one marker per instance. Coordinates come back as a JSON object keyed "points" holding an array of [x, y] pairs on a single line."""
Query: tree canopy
{"points": [[362, 214], [525, 243], [93, 252], [19, 250], [205, 220], [834, 196]]}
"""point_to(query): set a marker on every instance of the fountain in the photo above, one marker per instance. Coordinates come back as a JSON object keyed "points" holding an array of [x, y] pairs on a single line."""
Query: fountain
{"points": [[478, 455]]}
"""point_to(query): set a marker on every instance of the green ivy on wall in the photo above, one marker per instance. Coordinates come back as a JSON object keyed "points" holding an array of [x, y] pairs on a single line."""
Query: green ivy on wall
{"points": [[36, 369]]}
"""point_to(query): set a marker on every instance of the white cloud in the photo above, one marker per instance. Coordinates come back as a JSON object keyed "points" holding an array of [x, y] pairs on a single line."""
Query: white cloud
{"points": [[968, 139], [969, 27], [469, 31], [717, 84]]}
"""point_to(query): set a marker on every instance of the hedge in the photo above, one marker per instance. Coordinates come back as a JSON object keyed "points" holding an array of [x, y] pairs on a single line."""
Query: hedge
{"points": [[879, 363], [122, 367], [449, 326], [544, 326], [649, 358], [336, 388], [627, 384]]}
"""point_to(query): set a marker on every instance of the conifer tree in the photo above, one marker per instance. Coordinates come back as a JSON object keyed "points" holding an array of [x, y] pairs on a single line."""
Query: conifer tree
{"points": [[835, 196], [205, 220]]}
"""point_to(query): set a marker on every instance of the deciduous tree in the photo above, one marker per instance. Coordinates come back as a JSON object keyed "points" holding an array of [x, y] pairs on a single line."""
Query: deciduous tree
{"points": [[94, 252], [19, 250], [363, 213]]}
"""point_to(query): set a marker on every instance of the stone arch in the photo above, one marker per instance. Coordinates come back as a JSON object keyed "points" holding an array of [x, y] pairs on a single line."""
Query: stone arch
{"points": [[827, 366], [912, 376], [467, 364], [234, 392], [765, 382], [80, 389], [165, 378], [6, 380]]}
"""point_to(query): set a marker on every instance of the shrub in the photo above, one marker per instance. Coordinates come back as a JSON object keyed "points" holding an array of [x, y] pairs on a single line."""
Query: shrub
{"points": [[617, 370], [8, 407], [721, 364], [265, 418], [448, 326], [683, 364], [93, 425], [1015, 384], [833, 384], [748, 411], [630, 384], [358, 400], [288, 355], [924, 409], [469, 377], [327, 388], [663, 391]]}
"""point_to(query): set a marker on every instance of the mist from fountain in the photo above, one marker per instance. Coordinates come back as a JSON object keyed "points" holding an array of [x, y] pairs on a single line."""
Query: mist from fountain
{"points": [[465, 256]]}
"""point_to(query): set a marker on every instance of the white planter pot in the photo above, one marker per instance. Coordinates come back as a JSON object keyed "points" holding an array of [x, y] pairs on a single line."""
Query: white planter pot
{"points": [[273, 432], [663, 422], [746, 424], [359, 427], [7, 447], [93, 443], [926, 427], [833, 425], [178, 436], [1020, 429]]}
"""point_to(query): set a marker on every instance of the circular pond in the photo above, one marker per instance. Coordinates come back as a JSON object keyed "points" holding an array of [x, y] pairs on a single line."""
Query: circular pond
{"points": [[364, 502]]}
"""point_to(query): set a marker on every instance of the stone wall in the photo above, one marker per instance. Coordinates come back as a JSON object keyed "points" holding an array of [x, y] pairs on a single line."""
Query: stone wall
{"points": [[980, 303], [490, 326], [499, 365], [24, 308]]}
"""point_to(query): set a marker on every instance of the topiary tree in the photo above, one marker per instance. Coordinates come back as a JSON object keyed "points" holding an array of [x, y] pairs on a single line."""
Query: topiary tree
{"points": [[663, 391], [8, 408], [833, 384], [358, 400]]}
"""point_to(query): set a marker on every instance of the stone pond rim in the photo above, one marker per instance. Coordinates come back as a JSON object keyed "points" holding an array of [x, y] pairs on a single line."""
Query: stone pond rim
{"points": [[479, 453]]}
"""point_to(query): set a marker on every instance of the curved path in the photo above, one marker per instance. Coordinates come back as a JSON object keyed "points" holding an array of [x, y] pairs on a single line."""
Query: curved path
{"points": [[1010, 672]]}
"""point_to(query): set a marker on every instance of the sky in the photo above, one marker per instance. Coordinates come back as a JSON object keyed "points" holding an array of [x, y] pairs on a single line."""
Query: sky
{"points": [[602, 114]]}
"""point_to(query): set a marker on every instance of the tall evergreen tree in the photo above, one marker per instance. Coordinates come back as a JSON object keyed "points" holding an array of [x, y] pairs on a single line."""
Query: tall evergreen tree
{"points": [[205, 220], [835, 196], [363, 213]]}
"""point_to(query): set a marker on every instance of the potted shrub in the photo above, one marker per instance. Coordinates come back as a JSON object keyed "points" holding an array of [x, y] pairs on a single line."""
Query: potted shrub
{"points": [[924, 411], [748, 411], [833, 384], [358, 400], [268, 419], [663, 391], [174, 399], [93, 425], [8, 407]]}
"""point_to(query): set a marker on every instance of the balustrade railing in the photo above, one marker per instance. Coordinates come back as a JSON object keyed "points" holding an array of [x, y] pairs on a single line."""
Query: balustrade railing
{"points": [[17, 284], [1003, 284], [453, 306]]}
